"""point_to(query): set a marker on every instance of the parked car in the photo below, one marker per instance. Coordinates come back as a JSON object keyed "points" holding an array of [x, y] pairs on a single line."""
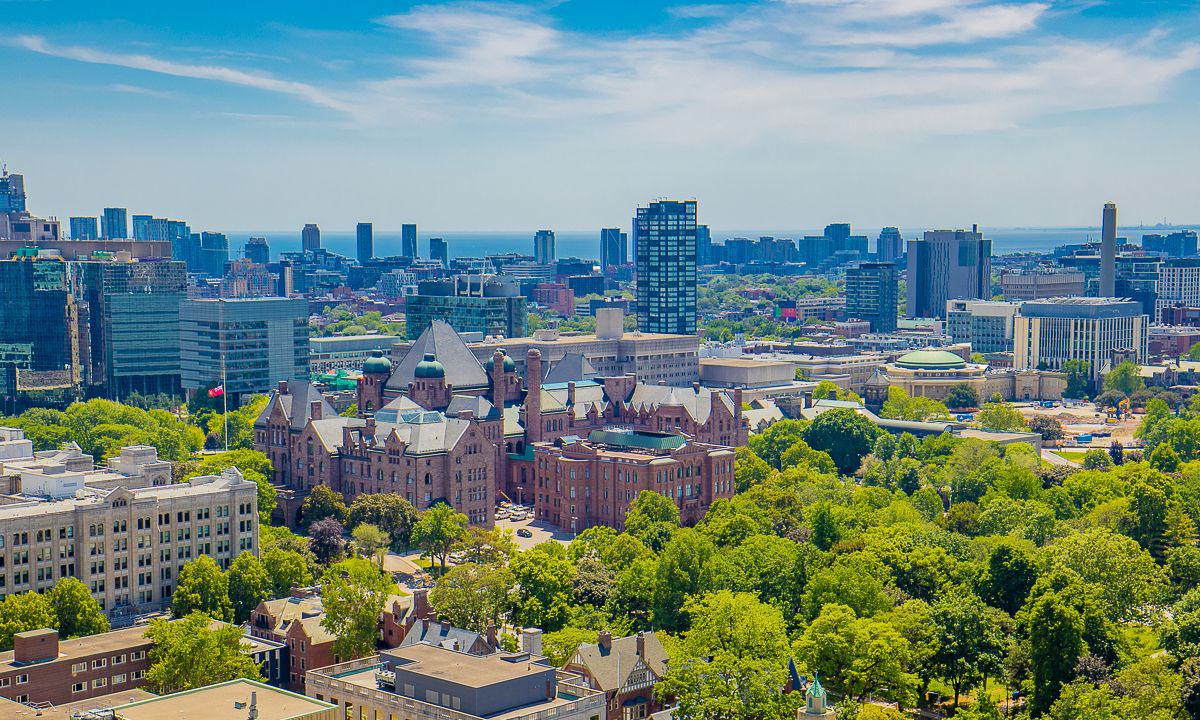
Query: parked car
{"points": [[524, 532]]}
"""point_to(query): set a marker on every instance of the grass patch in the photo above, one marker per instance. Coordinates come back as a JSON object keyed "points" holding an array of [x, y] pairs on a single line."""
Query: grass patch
{"points": [[1072, 455], [1143, 641]]}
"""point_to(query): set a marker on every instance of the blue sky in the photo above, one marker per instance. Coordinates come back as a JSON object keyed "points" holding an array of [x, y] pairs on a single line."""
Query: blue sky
{"points": [[774, 114]]}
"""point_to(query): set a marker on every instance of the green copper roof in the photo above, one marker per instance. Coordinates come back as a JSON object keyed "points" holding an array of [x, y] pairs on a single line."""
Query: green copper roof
{"points": [[377, 363], [815, 690], [643, 440], [931, 360], [429, 367]]}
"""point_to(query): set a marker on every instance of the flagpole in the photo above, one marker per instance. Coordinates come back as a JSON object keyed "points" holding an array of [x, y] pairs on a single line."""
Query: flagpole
{"points": [[224, 389]]}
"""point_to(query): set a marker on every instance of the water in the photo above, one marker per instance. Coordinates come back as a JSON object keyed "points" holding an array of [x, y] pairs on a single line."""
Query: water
{"points": [[586, 243]]}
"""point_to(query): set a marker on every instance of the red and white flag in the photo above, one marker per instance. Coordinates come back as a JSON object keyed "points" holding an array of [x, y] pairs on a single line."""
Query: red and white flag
{"points": [[217, 392]]}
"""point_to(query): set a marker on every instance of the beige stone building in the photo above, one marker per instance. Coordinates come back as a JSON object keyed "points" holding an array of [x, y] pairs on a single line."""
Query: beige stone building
{"points": [[933, 373], [127, 545]]}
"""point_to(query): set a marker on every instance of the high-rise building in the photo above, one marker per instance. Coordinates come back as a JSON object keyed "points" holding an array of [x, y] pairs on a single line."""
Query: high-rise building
{"points": [[365, 235], [543, 247], [213, 253], [253, 342], [85, 228], [310, 237], [133, 321], [872, 290], [1041, 283], [1108, 251], [703, 245], [258, 250], [12, 192], [115, 224], [40, 342], [612, 248], [890, 245], [408, 240], [439, 250], [1098, 331], [947, 265], [158, 230], [141, 226], [666, 267], [469, 303], [1178, 284]]}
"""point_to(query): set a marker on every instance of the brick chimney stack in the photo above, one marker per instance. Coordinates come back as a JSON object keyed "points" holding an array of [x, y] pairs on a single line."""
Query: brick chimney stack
{"points": [[314, 410], [605, 640]]}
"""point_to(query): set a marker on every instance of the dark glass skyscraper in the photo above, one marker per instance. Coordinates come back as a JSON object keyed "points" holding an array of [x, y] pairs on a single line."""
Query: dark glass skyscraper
{"points": [[703, 245], [115, 224], [890, 245], [258, 250], [12, 192], [871, 294], [438, 250], [612, 248], [543, 247], [141, 227], [947, 265], [666, 267], [84, 228], [408, 240], [310, 237], [365, 234]]}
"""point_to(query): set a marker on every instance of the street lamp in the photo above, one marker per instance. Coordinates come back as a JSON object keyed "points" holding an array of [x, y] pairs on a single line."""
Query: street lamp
{"points": [[521, 495], [573, 533]]}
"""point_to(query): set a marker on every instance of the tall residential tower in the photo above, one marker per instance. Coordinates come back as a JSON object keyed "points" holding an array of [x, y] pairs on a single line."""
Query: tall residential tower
{"points": [[666, 267]]}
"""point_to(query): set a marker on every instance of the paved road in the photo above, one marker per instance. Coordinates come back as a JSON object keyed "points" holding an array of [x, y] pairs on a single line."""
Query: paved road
{"points": [[542, 531]]}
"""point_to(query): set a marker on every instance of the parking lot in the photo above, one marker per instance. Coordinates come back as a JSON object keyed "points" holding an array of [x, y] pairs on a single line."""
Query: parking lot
{"points": [[539, 532]]}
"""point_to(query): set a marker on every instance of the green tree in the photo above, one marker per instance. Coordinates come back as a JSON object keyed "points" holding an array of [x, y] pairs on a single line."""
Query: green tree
{"points": [[1096, 459], [371, 542], [471, 596], [962, 395], [1163, 458], [845, 435], [1049, 428], [968, 642], [193, 652], [439, 528], [1180, 633], [901, 406], [1009, 577], [323, 502], [732, 662], [202, 587], [1079, 378], [1056, 642], [649, 509], [387, 511], [1000, 416], [1125, 378], [771, 443], [560, 645], [545, 581], [286, 569], [748, 469], [354, 593], [1152, 430], [1125, 576], [77, 612], [684, 569], [23, 612], [858, 656], [249, 584]]}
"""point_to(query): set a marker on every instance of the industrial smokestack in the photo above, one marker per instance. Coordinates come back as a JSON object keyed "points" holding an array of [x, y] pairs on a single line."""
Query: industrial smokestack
{"points": [[1108, 251]]}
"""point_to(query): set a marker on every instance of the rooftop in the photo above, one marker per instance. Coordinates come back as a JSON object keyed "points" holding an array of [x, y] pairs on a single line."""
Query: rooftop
{"points": [[16, 711], [75, 648], [225, 701], [464, 668], [931, 360]]}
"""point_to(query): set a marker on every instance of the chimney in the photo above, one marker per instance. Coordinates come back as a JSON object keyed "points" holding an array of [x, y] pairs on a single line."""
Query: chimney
{"points": [[283, 388], [696, 388], [445, 625], [531, 641], [641, 645], [570, 393], [421, 603], [605, 640], [253, 706], [737, 402], [493, 641], [369, 430], [314, 410]]}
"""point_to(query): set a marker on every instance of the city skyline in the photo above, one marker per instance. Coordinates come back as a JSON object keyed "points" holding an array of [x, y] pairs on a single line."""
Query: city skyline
{"points": [[962, 111]]}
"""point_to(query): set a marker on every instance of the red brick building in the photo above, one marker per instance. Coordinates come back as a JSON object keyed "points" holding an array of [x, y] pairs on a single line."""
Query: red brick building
{"points": [[579, 483], [42, 669], [626, 669], [556, 296]]}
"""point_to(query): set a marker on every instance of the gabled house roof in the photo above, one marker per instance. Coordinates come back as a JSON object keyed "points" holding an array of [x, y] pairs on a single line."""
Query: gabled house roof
{"points": [[697, 403], [572, 367], [610, 668], [296, 404]]}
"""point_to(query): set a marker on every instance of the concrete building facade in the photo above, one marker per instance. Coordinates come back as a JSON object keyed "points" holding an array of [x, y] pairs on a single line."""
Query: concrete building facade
{"points": [[1097, 331]]}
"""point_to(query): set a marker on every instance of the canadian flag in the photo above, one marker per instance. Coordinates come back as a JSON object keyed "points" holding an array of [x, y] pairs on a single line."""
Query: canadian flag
{"points": [[216, 392]]}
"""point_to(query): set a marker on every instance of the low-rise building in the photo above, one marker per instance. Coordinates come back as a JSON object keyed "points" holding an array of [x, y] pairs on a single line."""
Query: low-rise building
{"points": [[986, 324], [426, 681], [625, 669], [934, 373], [43, 669], [234, 700], [578, 483], [329, 354]]}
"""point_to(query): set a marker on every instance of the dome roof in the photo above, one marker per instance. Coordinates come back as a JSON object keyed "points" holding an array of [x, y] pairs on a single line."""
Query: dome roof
{"points": [[931, 360], [377, 363], [429, 367], [509, 365]]}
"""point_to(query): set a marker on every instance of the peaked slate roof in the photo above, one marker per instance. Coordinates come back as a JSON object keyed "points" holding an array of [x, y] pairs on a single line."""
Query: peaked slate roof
{"points": [[478, 405], [297, 404], [423, 432], [431, 632], [463, 369], [611, 668], [697, 404], [587, 393], [572, 367]]}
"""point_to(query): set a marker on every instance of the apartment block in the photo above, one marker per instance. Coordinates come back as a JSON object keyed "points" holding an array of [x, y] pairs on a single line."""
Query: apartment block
{"points": [[986, 324], [41, 668]]}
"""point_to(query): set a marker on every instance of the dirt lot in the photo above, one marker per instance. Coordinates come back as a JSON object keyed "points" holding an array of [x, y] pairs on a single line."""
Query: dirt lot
{"points": [[1084, 419]]}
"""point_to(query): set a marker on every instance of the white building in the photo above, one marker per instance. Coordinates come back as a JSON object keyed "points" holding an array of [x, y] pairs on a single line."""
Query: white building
{"points": [[1098, 331]]}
